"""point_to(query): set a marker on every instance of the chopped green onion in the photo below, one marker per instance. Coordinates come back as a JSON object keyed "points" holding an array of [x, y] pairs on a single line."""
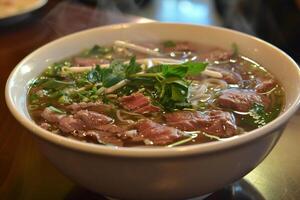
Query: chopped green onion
{"points": [[53, 109]]}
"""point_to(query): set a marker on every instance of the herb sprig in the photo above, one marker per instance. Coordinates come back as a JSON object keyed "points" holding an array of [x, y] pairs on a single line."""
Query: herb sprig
{"points": [[170, 83]]}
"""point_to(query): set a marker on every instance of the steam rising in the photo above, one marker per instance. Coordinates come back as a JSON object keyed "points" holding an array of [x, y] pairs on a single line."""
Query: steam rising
{"points": [[69, 17]]}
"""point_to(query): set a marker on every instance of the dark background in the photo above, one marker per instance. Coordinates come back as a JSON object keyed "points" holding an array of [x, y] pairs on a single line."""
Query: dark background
{"points": [[276, 21]]}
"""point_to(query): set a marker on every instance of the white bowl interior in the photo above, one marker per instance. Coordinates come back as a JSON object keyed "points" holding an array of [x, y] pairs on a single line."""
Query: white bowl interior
{"points": [[276, 61]]}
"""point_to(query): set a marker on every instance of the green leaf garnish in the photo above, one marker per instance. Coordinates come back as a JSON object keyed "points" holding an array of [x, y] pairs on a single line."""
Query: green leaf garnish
{"points": [[132, 67], [184, 69], [195, 68], [171, 85], [56, 110]]}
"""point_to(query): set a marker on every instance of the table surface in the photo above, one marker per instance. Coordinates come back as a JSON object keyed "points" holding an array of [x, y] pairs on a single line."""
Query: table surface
{"points": [[26, 174]]}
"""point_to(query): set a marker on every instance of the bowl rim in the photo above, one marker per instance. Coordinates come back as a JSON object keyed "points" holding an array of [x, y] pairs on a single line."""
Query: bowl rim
{"points": [[142, 152]]}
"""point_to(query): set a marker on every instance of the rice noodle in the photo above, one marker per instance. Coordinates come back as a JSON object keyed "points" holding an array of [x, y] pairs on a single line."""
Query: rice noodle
{"points": [[116, 86], [212, 73], [137, 48], [132, 113], [213, 82], [198, 93], [120, 118]]}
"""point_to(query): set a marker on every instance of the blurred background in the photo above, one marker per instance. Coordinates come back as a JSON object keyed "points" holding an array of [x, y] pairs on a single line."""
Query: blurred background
{"points": [[276, 21]]}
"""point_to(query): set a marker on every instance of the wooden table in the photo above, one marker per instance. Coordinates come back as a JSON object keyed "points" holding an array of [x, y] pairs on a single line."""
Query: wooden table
{"points": [[26, 174]]}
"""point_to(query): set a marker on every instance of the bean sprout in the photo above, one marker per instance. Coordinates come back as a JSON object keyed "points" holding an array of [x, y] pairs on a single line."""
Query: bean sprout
{"points": [[116, 86], [137, 48], [120, 118], [215, 83]]}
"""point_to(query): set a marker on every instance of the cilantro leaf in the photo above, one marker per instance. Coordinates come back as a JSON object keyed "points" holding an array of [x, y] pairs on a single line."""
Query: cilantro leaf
{"points": [[56, 110], [195, 68], [174, 70], [184, 69], [109, 78], [178, 94], [132, 67]]}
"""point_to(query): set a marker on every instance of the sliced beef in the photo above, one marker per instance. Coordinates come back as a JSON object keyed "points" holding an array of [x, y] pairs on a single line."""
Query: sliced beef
{"points": [[157, 133], [229, 76], [104, 137], [82, 120], [138, 103], [181, 46], [216, 55], [91, 106], [92, 119], [97, 121], [89, 61], [98, 136], [84, 123], [70, 124], [112, 128], [218, 123], [51, 116], [132, 135], [183, 120], [241, 99], [265, 85], [215, 122], [134, 101], [147, 109]]}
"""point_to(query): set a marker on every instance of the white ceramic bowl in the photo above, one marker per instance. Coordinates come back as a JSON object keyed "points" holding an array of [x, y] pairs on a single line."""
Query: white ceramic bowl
{"points": [[156, 173]]}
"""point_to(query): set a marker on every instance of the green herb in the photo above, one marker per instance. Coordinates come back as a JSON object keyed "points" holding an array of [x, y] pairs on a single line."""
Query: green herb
{"points": [[64, 99], [55, 69], [167, 85], [170, 83], [109, 78], [132, 67], [116, 72], [53, 109], [184, 69]]}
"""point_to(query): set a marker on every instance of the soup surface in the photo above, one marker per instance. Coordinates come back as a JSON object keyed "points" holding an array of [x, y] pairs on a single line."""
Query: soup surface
{"points": [[154, 94]]}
